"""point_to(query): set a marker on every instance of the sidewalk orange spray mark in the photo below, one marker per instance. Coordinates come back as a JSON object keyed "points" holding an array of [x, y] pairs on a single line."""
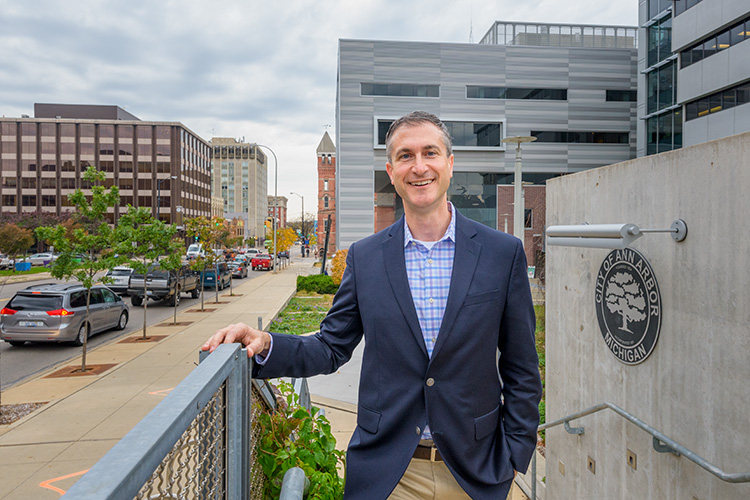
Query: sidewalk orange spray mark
{"points": [[162, 392], [46, 484]]}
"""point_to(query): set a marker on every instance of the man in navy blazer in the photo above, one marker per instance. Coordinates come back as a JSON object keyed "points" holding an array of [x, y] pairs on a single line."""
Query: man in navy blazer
{"points": [[456, 409]]}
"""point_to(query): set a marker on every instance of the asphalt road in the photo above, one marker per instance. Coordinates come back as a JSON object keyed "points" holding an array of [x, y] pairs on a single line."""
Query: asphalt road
{"points": [[19, 363]]}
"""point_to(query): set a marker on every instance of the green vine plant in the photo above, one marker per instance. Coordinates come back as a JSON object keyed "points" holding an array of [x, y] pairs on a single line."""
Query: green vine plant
{"points": [[292, 436]]}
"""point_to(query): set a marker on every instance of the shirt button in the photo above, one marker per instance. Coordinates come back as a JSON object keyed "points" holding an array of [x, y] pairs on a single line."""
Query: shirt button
{"points": [[430, 382], [419, 431], [432, 300], [429, 261]]}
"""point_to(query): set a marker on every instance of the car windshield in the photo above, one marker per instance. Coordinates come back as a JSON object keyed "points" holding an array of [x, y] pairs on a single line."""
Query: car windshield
{"points": [[120, 272], [31, 302]]}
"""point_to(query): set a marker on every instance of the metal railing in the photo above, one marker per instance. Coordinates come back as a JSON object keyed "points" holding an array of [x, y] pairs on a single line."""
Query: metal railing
{"points": [[661, 444], [195, 444]]}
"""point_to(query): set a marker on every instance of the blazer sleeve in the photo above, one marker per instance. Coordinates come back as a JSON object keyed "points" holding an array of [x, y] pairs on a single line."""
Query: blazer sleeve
{"points": [[519, 366], [331, 347]]}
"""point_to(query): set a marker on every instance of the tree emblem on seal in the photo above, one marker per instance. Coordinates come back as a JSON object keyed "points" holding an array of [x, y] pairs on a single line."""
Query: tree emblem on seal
{"points": [[628, 305]]}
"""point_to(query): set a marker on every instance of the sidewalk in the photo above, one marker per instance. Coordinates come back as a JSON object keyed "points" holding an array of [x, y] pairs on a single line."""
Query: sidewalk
{"points": [[44, 453]]}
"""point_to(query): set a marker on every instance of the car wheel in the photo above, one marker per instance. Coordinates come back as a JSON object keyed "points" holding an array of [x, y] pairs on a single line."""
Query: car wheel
{"points": [[16, 343], [136, 300], [174, 300], [220, 285], [83, 332], [196, 293], [123, 321]]}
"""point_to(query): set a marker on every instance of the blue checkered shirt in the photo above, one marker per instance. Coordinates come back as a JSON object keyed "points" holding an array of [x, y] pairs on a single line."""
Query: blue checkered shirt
{"points": [[429, 273]]}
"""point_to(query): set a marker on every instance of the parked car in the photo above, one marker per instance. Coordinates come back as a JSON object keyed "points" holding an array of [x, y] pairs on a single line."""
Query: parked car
{"points": [[5, 261], [41, 259], [238, 269], [54, 312], [121, 277], [284, 254], [219, 276], [252, 252], [262, 261], [161, 285]]}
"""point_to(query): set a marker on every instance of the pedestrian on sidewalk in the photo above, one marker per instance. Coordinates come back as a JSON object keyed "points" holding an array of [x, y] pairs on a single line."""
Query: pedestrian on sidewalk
{"points": [[436, 296]]}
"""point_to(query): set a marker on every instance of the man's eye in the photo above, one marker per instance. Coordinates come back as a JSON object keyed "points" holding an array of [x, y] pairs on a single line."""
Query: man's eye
{"points": [[431, 153], [405, 156]]}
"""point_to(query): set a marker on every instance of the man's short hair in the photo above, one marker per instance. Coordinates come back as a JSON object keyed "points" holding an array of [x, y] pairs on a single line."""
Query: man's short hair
{"points": [[418, 118]]}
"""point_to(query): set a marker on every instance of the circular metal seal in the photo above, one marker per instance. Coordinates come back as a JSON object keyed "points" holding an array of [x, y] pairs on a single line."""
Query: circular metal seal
{"points": [[628, 305]]}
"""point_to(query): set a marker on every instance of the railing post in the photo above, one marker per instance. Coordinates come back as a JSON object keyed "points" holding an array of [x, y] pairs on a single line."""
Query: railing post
{"points": [[533, 476], [237, 424], [294, 485]]}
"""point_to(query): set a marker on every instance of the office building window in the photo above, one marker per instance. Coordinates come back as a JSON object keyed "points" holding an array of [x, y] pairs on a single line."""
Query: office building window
{"points": [[661, 87], [659, 41], [718, 101], [528, 218], [480, 92], [464, 134], [622, 95], [325, 185], [399, 90], [582, 137], [664, 132], [738, 32], [325, 202]]}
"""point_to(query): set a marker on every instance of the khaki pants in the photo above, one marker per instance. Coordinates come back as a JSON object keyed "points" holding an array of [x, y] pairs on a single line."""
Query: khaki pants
{"points": [[428, 480]]}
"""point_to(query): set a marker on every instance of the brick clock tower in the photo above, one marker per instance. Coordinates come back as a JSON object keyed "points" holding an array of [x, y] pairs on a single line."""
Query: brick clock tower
{"points": [[326, 192]]}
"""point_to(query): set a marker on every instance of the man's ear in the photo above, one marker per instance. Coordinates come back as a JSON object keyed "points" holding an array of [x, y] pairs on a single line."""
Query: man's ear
{"points": [[389, 169]]}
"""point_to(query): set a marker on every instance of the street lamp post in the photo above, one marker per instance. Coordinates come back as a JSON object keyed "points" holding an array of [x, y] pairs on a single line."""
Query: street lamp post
{"points": [[518, 225], [303, 221], [158, 195], [275, 196]]}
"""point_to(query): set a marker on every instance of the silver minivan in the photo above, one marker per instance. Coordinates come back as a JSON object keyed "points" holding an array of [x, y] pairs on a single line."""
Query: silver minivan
{"points": [[54, 312]]}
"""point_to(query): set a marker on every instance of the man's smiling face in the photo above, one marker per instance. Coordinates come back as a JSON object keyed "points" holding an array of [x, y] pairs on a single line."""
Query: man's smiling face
{"points": [[420, 168]]}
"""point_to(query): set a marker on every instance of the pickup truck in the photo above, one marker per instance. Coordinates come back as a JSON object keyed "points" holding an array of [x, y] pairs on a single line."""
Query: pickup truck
{"points": [[163, 285]]}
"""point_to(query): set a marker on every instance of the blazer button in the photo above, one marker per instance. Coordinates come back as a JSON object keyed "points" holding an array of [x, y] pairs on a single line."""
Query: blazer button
{"points": [[430, 382], [419, 431]]}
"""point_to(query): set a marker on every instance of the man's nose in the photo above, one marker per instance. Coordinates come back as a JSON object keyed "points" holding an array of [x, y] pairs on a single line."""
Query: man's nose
{"points": [[420, 164]]}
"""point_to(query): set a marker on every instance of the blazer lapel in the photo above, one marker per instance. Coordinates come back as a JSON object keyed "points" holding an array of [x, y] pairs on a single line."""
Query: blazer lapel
{"points": [[395, 267], [464, 264]]}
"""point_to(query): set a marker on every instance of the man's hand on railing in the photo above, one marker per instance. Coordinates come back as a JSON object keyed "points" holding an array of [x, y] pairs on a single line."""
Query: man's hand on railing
{"points": [[256, 341]]}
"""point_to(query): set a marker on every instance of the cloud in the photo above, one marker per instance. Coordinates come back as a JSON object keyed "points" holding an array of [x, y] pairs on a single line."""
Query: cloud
{"points": [[262, 70]]}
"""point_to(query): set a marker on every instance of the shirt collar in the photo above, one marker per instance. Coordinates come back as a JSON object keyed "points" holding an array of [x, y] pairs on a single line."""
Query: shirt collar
{"points": [[450, 233]]}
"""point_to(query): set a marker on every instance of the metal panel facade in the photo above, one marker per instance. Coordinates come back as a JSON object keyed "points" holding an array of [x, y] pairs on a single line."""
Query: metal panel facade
{"points": [[586, 73]]}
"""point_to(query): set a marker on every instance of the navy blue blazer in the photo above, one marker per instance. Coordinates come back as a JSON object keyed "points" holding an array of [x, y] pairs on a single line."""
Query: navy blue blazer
{"points": [[483, 427]]}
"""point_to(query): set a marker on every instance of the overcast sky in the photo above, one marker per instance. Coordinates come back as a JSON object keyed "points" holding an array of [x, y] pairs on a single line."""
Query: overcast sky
{"points": [[265, 71]]}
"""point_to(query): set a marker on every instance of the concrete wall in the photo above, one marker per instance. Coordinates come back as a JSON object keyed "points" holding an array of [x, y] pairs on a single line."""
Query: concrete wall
{"points": [[694, 387]]}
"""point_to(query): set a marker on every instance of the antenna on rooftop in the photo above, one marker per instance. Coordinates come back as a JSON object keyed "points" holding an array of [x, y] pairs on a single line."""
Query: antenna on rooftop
{"points": [[471, 24], [326, 126]]}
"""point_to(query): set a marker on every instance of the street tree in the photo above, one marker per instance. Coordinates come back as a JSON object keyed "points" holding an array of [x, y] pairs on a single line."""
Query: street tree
{"points": [[148, 242], [209, 232], [79, 244], [14, 241]]}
